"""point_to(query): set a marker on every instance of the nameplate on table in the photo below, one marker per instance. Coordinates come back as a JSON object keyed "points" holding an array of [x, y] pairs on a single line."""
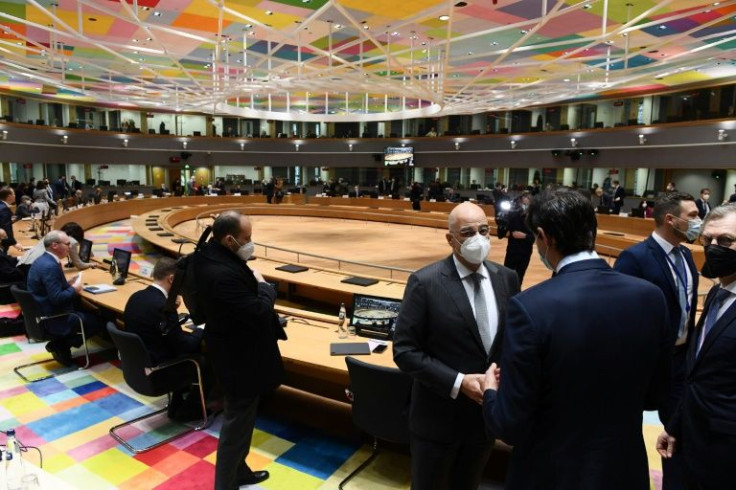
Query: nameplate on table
{"points": [[99, 288]]}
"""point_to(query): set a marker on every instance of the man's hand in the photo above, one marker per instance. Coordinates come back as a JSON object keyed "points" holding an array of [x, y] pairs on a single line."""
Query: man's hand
{"points": [[492, 378], [472, 387], [519, 235], [665, 445], [19, 247]]}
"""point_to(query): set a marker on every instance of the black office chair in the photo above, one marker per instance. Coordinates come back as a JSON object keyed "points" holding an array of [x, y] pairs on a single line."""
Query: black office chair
{"points": [[380, 397], [149, 380], [36, 333]]}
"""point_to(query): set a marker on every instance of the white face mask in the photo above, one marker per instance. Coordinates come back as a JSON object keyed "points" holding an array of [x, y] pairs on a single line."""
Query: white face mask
{"points": [[476, 248], [245, 251]]}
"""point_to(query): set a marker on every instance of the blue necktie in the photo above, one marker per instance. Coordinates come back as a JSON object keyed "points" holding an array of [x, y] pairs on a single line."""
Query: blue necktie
{"points": [[712, 317], [681, 288]]}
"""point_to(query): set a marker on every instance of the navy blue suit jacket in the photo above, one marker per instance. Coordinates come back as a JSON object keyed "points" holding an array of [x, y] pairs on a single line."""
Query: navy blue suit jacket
{"points": [[704, 423], [6, 222], [575, 379], [52, 293]]}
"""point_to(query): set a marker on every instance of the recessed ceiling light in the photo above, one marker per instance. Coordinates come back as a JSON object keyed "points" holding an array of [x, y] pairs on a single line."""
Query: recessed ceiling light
{"points": [[149, 39], [157, 14], [366, 27], [444, 17], [663, 27], [524, 31], [268, 12], [135, 40], [716, 4], [469, 53], [587, 6], [306, 1], [494, 43]]}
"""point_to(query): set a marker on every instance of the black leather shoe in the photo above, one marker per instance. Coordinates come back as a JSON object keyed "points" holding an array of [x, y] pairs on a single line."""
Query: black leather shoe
{"points": [[62, 356], [254, 478]]}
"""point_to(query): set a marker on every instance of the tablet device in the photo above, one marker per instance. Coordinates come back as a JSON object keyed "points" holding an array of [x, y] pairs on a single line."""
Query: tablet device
{"points": [[359, 281], [122, 261], [292, 268], [350, 348]]}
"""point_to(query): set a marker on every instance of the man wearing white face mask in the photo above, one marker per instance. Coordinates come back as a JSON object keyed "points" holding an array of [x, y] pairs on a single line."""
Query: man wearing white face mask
{"points": [[448, 332], [663, 261], [241, 337], [703, 202]]}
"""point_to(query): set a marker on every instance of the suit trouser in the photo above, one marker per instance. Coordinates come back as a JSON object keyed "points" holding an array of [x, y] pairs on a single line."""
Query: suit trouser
{"points": [[442, 466], [234, 444]]}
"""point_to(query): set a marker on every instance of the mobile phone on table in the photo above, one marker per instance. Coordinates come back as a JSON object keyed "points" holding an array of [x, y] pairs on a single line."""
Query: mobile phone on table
{"points": [[379, 348]]}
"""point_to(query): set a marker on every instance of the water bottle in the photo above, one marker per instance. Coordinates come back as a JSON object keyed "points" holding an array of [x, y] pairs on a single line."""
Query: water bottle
{"points": [[13, 462], [351, 328], [342, 332]]}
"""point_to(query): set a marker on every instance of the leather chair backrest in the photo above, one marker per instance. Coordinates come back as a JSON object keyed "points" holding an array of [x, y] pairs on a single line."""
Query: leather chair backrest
{"points": [[134, 359], [31, 313], [380, 400]]}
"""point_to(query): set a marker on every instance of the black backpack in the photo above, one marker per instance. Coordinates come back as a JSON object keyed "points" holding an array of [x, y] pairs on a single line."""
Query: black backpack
{"points": [[185, 284]]}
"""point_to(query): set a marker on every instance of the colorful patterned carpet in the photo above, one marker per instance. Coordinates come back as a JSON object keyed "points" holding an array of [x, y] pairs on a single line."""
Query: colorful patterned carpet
{"points": [[68, 417]]}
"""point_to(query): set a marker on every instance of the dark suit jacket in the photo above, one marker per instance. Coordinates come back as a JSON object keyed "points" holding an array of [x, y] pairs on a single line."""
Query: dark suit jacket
{"points": [[705, 421], [242, 327], [144, 315], [52, 293], [620, 194], [702, 210], [647, 260], [574, 380], [436, 337], [6, 222]]}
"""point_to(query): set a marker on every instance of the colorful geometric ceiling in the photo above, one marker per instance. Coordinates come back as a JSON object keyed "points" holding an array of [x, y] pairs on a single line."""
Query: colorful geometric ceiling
{"points": [[359, 59]]}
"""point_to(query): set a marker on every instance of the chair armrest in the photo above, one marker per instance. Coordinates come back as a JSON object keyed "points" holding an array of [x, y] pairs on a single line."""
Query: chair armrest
{"points": [[175, 362], [59, 315]]}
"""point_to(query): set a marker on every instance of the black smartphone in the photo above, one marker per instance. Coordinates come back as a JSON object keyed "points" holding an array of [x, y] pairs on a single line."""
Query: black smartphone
{"points": [[379, 348]]}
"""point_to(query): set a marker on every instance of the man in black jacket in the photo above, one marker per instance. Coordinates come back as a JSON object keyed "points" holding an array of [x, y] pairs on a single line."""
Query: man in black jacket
{"points": [[241, 335]]}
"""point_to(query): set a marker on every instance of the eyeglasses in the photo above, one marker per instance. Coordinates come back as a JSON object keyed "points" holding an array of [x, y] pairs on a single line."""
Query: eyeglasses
{"points": [[68, 244], [723, 240], [469, 232]]}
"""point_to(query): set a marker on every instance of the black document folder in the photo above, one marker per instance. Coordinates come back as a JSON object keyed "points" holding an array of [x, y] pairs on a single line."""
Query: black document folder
{"points": [[292, 268], [350, 348], [359, 281]]}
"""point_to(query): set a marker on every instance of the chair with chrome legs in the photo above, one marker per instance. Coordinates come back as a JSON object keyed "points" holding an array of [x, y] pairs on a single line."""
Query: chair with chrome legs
{"points": [[148, 379], [35, 332], [380, 397]]}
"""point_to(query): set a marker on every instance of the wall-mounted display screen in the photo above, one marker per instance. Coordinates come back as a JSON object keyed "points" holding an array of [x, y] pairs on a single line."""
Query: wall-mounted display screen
{"points": [[398, 155]]}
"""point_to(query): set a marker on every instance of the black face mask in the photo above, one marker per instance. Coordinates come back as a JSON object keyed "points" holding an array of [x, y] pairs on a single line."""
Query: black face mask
{"points": [[719, 262]]}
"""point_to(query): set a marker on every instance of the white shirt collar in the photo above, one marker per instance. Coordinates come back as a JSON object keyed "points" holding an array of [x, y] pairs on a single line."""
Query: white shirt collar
{"points": [[666, 246], [578, 257], [165, 293], [53, 255], [464, 272]]}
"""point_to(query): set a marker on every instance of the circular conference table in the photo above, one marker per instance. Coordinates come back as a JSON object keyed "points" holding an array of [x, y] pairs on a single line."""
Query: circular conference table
{"points": [[307, 359]]}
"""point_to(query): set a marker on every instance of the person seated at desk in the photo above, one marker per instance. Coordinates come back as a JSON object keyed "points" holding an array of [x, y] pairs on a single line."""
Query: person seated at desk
{"points": [[54, 294], [9, 273], [24, 209], [75, 234], [162, 335], [601, 200]]}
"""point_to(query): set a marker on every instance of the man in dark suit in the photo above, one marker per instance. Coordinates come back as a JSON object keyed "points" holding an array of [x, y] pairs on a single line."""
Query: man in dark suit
{"points": [[9, 272], [573, 382], [241, 336], [448, 331], [618, 197], [54, 295], [160, 331], [146, 316], [7, 197], [702, 202], [703, 428], [521, 240], [601, 201], [661, 260]]}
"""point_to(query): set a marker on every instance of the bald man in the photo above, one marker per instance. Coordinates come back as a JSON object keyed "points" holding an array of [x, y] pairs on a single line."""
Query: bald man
{"points": [[448, 332]]}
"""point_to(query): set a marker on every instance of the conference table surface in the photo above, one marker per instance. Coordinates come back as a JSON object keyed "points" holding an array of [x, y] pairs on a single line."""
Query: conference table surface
{"points": [[306, 353]]}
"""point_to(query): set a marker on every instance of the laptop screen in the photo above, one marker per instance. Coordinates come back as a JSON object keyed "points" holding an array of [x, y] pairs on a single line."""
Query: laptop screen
{"points": [[85, 250], [122, 260], [373, 313]]}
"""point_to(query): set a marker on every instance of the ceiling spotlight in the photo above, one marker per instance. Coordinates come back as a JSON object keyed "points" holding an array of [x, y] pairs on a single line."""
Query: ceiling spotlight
{"points": [[350, 146], [513, 144], [4, 135], [125, 143], [64, 139], [444, 17], [457, 145], [184, 145], [242, 146], [296, 146], [573, 142], [642, 139], [722, 134]]}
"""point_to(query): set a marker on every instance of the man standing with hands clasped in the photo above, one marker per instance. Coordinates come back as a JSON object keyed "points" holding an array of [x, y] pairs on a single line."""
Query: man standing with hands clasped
{"points": [[703, 427], [573, 383], [448, 331]]}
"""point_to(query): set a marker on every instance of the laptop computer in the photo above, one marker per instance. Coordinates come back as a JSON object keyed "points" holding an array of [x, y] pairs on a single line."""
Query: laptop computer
{"points": [[85, 250]]}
